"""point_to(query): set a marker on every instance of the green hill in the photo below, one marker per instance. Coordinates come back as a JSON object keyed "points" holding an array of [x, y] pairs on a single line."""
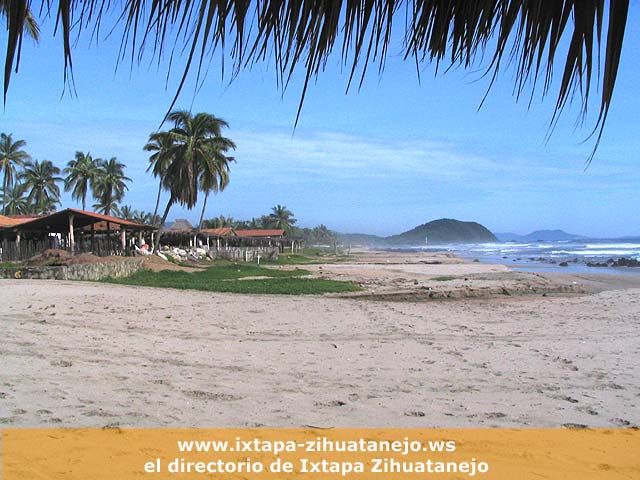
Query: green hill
{"points": [[445, 230]]}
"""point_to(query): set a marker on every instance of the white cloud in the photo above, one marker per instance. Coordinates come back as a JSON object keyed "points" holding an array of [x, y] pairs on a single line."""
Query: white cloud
{"points": [[337, 156]]}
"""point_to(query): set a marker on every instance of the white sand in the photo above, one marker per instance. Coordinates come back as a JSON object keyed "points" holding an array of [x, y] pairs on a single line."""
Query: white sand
{"points": [[82, 354]]}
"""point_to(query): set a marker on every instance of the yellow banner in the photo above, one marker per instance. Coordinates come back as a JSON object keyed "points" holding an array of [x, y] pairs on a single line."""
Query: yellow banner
{"points": [[314, 454]]}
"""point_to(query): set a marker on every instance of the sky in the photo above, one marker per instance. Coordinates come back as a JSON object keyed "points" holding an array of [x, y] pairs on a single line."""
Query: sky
{"points": [[399, 152]]}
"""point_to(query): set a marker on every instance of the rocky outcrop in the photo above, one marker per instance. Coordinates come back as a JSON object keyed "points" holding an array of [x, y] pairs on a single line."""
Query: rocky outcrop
{"points": [[620, 262]]}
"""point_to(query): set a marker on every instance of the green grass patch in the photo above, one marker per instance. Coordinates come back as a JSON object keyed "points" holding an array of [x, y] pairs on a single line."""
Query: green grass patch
{"points": [[444, 278], [309, 255], [229, 278], [9, 265]]}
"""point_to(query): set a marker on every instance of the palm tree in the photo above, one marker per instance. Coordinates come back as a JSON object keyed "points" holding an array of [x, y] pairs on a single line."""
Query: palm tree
{"points": [[16, 203], [256, 223], [220, 222], [215, 171], [31, 27], [127, 212], [109, 185], [41, 179], [282, 217], [146, 218], [80, 176], [192, 143], [160, 143], [12, 156]]}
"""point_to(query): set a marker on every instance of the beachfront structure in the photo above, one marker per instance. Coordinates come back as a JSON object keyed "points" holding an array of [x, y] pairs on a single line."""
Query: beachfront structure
{"points": [[77, 231], [182, 234]]}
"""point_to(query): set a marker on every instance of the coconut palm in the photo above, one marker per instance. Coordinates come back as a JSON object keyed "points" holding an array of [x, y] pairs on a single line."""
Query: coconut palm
{"points": [[214, 176], [127, 212], [12, 156], [146, 218], [80, 176], [41, 180], [15, 200], [261, 222], [160, 144], [193, 140], [110, 183], [219, 222], [282, 217], [31, 26]]}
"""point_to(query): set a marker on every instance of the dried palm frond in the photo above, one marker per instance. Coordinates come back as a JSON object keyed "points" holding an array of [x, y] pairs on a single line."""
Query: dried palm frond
{"points": [[533, 34]]}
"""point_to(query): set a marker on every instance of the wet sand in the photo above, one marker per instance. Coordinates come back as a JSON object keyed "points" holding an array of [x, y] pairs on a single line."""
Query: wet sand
{"points": [[85, 354]]}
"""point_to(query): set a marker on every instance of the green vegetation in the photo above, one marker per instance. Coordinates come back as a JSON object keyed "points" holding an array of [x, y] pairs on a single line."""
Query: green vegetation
{"points": [[444, 278], [309, 255], [234, 278], [190, 158]]}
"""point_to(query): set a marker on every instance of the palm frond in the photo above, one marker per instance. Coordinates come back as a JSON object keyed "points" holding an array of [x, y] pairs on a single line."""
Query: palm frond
{"points": [[533, 35]]}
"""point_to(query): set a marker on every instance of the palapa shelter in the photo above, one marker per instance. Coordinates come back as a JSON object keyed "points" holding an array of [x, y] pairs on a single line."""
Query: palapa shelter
{"points": [[180, 233], [70, 229]]}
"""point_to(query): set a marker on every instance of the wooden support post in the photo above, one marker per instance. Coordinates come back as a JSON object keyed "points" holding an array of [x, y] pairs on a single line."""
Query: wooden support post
{"points": [[123, 238], [72, 239]]}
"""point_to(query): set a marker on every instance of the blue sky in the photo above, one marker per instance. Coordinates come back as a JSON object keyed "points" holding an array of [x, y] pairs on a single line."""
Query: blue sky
{"points": [[395, 154]]}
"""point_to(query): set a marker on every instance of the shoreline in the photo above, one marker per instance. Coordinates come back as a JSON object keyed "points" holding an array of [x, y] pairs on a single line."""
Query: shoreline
{"points": [[423, 276]]}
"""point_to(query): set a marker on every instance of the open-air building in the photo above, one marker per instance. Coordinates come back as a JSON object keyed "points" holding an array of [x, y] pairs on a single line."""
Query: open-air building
{"points": [[76, 231]]}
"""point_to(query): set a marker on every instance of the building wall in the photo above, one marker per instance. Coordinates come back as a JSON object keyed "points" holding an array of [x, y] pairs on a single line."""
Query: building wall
{"points": [[94, 271]]}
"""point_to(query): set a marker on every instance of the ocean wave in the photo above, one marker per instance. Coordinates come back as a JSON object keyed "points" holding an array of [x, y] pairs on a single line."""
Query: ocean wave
{"points": [[603, 252]]}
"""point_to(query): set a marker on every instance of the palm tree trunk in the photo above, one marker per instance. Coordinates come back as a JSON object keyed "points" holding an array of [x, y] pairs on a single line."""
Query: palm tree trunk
{"points": [[204, 205], [156, 246], [107, 211], [84, 202], [4, 192], [155, 211]]}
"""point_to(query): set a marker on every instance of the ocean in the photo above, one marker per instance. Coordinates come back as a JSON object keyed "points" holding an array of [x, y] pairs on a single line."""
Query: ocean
{"points": [[547, 256]]}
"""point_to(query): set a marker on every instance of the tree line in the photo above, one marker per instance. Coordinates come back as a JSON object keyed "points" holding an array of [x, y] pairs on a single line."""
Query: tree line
{"points": [[190, 159], [32, 187], [279, 218]]}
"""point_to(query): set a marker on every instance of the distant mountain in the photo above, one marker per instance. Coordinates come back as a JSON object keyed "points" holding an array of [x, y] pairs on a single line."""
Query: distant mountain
{"points": [[445, 230], [538, 235], [441, 231], [361, 239]]}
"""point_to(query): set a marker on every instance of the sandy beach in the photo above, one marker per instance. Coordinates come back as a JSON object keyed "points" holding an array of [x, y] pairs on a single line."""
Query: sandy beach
{"points": [[90, 354]]}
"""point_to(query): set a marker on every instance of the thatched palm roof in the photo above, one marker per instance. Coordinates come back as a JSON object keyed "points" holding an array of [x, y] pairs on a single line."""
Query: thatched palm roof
{"points": [[301, 34]]}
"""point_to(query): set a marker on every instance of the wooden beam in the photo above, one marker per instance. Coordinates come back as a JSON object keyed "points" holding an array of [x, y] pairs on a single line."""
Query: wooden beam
{"points": [[72, 239]]}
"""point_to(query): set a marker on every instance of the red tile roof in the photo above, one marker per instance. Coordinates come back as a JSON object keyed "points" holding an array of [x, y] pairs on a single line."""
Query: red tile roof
{"points": [[260, 233], [105, 218], [218, 232], [11, 221]]}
